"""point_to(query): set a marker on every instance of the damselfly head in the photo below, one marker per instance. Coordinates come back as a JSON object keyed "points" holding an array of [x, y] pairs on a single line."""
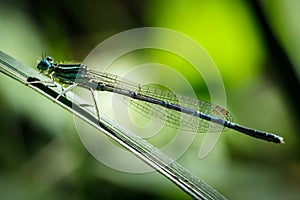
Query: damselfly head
{"points": [[45, 64]]}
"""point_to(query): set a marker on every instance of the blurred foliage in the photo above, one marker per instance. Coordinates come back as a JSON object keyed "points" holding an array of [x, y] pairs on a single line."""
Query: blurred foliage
{"points": [[229, 37], [41, 155]]}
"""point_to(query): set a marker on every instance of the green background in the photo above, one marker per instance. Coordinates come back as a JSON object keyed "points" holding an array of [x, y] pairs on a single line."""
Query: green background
{"points": [[255, 46]]}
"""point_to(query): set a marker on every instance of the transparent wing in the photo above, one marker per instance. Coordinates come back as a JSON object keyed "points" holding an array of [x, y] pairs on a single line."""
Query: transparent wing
{"points": [[169, 117]]}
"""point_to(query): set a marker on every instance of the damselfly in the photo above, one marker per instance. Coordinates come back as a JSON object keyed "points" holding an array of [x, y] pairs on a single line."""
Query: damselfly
{"points": [[178, 111]]}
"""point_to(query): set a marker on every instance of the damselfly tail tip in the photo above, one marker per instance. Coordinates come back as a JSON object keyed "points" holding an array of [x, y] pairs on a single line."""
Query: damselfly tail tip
{"points": [[281, 140]]}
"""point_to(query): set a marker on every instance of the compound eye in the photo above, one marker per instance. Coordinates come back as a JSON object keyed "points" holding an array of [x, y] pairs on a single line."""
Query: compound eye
{"points": [[44, 65]]}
